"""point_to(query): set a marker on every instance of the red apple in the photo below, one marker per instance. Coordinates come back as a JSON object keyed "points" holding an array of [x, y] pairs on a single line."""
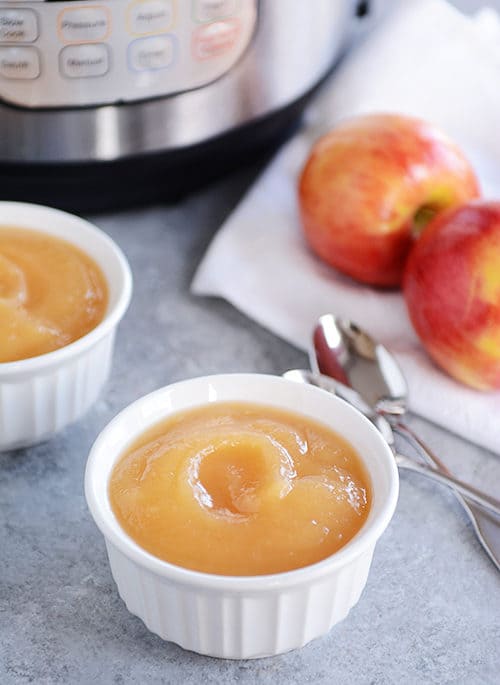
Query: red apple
{"points": [[371, 185], [452, 290]]}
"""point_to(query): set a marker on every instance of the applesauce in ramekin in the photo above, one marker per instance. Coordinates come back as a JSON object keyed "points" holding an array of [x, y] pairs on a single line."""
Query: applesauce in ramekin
{"points": [[240, 617], [237, 488], [51, 293]]}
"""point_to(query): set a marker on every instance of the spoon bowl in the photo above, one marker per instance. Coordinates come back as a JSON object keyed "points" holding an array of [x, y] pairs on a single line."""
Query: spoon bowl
{"points": [[342, 350]]}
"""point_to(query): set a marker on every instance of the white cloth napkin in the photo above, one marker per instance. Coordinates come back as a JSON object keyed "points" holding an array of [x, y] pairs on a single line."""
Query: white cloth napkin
{"points": [[426, 59]]}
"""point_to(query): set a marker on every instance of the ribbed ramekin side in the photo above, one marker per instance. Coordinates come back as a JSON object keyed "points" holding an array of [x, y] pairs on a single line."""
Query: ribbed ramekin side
{"points": [[33, 407], [238, 624]]}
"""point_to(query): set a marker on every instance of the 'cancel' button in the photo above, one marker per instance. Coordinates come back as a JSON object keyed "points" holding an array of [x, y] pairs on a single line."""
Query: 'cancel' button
{"points": [[84, 61], [150, 54]]}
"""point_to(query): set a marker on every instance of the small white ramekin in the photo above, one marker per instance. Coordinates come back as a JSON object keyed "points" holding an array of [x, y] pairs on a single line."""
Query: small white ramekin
{"points": [[250, 616], [41, 395]]}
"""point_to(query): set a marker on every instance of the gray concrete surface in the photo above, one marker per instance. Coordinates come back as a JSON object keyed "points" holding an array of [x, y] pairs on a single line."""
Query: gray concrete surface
{"points": [[429, 614]]}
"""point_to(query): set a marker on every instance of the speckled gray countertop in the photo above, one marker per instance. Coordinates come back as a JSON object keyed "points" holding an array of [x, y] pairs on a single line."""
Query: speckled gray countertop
{"points": [[430, 612]]}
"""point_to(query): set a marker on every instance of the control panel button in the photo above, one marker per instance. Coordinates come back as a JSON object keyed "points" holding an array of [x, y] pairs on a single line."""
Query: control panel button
{"points": [[84, 24], [84, 61], [19, 63], [215, 39], [150, 54], [18, 26], [210, 10], [146, 17]]}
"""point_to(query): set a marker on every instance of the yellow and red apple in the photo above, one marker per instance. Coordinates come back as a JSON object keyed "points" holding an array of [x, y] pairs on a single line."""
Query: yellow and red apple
{"points": [[452, 291], [370, 186]]}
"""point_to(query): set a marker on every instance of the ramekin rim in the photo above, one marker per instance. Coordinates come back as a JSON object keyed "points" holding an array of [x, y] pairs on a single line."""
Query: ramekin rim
{"points": [[367, 536], [111, 319]]}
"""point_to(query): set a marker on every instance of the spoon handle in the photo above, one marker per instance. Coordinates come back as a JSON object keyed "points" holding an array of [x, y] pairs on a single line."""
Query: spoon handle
{"points": [[482, 499], [419, 445], [486, 525]]}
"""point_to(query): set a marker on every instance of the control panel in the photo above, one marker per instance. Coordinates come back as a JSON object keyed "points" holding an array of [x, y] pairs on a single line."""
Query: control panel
{"points": [[73, 54]]}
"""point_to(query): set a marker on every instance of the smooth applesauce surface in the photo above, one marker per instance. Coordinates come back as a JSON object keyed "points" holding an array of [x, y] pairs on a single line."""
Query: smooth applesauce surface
{"points": [[51, 293], [240, 489]]}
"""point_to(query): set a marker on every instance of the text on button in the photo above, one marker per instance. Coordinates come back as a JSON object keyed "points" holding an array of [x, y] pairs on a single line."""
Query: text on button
{"points": [[150, 54], [210, 10], [84, 61], [19, 63], [84, 24], [215, 39], [150, 16], [18, 26]]}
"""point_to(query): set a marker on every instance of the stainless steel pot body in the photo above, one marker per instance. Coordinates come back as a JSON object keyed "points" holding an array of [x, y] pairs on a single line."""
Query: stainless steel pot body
{"points": [[288, 46]]}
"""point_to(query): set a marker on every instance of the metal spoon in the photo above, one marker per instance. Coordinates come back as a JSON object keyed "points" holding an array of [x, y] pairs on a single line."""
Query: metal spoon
{"points": [[342, 350], [345, 393], [386, 428]]}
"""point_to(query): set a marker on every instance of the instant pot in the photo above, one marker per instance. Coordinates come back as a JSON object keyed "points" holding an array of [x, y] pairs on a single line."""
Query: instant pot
{"points": [[112, 102]]}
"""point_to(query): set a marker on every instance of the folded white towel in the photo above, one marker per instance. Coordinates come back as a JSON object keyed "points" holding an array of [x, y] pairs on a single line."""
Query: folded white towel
{"points": [[428, 60]]}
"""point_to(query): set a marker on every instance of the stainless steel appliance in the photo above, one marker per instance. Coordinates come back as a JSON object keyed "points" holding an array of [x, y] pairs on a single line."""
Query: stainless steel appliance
{"points": [[110, 102]]}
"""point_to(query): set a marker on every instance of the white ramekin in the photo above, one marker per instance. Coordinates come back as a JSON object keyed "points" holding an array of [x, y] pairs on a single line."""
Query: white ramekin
{"points": [[41, 395], [251, 616]]}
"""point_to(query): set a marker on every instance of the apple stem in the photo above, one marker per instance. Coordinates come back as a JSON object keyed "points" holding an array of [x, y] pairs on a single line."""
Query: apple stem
{"points": [[421, 218]]}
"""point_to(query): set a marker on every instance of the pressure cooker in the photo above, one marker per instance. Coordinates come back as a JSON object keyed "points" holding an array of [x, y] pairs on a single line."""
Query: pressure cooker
{"points": [[106, 103]]}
